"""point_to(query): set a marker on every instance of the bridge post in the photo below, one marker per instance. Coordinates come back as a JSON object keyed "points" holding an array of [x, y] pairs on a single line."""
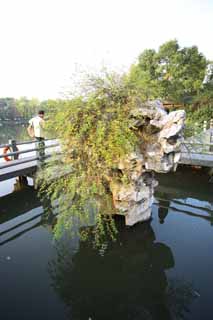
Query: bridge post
{"points": [[14, 148], [211, 136], [40, 152], [196, 129], [204, 125]]}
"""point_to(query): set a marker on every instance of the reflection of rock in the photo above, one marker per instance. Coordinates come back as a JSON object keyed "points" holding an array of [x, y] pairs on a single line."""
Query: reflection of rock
{"points": [[126, 279], [127, 282], [162, 210], [160, 134]]}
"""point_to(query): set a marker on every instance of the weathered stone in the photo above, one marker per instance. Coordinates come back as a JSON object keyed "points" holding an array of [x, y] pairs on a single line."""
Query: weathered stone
{"points": [[159, 153], [138, 213], [132, 165]]}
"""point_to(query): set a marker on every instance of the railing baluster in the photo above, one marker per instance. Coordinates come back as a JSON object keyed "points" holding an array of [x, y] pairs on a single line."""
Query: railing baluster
{"points": [[196, 129], [211, 136], [14, 149]]}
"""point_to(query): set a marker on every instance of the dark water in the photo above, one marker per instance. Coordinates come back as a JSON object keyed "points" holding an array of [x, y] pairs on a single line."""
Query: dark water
{"points": [[161, 269]]}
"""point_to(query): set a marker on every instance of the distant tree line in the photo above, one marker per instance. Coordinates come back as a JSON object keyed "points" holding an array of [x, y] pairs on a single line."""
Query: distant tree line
{"points": [[23, 108]]}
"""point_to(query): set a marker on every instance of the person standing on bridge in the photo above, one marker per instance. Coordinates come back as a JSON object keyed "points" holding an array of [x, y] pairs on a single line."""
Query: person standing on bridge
{"points": [[36, 130]]}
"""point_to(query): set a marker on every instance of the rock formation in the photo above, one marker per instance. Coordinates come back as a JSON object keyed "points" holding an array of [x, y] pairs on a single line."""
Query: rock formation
{"points": [[160, 136]]}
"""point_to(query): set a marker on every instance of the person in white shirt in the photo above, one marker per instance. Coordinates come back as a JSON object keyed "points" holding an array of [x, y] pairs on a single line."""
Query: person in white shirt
{"points": [[36, 130]]}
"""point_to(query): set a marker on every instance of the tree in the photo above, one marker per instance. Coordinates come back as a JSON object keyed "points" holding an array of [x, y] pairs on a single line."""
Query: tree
{"points": [[172, 73], [8, 110], [144, 76], [27, 107], [23, 106]]}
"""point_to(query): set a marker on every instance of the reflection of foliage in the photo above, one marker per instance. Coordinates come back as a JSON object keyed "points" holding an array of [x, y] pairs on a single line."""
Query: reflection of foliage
{"points": [[126, 279], [17, 132], [71, 215], [102, 231], [180, 295]]}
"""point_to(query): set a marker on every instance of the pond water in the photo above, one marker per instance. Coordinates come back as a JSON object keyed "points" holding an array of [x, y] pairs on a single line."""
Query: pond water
{"points": [[17, 132], [161, 269]]}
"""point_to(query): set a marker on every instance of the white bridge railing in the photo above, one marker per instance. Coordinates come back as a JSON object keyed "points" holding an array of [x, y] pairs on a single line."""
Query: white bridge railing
{"points": [[11, 152]]}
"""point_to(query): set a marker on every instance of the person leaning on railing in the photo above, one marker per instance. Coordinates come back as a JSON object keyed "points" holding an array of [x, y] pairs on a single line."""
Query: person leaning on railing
{"points": [[36, 130]]}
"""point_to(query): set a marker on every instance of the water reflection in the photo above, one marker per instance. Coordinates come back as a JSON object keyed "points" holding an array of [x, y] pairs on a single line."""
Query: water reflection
{"points": [[16, 131], [185, 183], [180, 192], [163, 210], [126, 279], [30, 212], [22, 199]]}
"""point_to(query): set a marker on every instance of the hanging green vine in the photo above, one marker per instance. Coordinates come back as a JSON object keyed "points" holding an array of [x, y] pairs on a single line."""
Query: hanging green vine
{"points": [[94, 130]]}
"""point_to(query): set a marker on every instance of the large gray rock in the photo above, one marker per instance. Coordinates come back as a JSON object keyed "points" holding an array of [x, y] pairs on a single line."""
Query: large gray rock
{"points": [[158, 151]]}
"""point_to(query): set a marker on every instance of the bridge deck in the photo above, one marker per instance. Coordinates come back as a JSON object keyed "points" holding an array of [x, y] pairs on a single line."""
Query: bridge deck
{"points": [[23, 168], [197, 159], [28, 165], [20, 169]]}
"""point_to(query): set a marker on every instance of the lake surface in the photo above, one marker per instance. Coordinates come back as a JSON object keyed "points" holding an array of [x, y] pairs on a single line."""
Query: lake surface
{"points": [[158, 270], [17, 132]]}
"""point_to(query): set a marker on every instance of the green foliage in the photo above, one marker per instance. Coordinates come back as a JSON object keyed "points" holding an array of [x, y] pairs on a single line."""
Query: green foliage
{"points": [[8, 108], [205, 113], [172, 73], [24, 108], [205, 96], [94, 128], [95, 133], [27, 107], [143, 76]]}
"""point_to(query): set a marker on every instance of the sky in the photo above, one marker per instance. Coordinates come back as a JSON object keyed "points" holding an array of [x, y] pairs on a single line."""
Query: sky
{"points": [[45, 44]]}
